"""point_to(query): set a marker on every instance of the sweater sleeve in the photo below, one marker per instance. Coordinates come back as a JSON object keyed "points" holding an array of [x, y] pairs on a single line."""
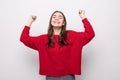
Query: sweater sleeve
{"points": [[88, 34], [28, 40]]}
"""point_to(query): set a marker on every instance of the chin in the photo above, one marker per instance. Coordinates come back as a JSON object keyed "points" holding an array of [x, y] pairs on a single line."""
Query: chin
{"points": [[57, 26]]}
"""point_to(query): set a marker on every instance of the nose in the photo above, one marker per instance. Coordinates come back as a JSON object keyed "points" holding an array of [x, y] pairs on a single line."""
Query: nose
{"points": [[56, 18]]}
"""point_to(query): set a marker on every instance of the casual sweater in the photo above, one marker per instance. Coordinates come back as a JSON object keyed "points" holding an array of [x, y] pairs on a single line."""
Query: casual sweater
{"points": [[59, 60]]}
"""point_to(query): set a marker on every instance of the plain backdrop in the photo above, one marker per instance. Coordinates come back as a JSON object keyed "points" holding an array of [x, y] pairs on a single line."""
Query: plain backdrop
{"points": [[100, 58]]}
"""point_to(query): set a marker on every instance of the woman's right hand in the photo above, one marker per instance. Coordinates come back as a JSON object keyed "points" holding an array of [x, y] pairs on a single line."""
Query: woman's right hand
{"points": [[31, 19]]}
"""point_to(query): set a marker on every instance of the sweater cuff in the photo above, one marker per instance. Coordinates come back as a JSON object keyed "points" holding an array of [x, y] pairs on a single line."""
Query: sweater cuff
{"points": [[27, 26], [85, 19]]}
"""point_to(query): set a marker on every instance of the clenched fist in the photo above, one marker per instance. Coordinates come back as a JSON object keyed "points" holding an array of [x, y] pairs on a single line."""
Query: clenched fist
{"points": [[31, 19], [82, 14]]}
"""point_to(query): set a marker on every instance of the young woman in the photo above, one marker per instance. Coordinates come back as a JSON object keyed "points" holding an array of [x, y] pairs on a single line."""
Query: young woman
{"points": [[60, 50]]}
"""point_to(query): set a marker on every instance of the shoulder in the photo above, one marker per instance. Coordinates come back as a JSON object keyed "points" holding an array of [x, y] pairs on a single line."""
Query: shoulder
{"points": [[72, 32], [43, 36]]}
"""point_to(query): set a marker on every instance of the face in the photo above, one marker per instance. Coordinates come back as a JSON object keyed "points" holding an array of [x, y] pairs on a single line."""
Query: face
{"points": [[57, 20]]}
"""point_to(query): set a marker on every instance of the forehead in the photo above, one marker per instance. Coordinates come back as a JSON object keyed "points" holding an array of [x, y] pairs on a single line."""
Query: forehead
{"points": [[57, 14]]}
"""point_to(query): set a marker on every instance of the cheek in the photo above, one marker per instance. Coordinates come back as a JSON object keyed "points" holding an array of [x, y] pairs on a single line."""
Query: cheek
{"points": [[62, 21]]}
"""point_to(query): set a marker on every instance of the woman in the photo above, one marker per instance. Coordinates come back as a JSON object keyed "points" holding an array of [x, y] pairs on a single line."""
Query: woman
{"points": [[60, 50]]}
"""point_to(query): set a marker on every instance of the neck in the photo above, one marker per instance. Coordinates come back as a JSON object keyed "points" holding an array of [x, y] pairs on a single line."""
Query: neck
{"points": [[57, 31]]}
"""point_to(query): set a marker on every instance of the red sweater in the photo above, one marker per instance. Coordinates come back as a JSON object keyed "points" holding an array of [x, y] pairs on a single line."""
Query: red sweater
{"points": [[59, 61]]}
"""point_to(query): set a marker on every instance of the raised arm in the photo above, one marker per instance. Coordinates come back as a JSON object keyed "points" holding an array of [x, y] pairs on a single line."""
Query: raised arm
{"points": [[88, 34], [28, 40]]}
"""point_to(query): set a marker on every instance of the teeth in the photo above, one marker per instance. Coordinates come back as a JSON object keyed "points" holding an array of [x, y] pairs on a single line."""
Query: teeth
{"points": [[57, 22]]}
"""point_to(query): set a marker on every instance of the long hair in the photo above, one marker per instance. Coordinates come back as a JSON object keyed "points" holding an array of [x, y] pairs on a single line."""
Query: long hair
{"points": [[62, 37]]}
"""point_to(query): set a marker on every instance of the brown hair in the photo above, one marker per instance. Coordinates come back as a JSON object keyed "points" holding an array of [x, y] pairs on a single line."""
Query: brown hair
{"points": [[62, 37]]}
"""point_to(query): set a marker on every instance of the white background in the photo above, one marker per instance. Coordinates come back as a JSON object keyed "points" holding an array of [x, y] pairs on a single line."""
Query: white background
{"points": [[101, 57]]}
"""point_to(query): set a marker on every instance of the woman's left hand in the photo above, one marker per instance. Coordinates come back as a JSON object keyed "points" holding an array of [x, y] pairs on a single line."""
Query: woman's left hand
{"points": [[82, 14]]}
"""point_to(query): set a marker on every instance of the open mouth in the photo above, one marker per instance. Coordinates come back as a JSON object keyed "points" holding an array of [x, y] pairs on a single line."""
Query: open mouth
{"points": [[56, 22]]}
